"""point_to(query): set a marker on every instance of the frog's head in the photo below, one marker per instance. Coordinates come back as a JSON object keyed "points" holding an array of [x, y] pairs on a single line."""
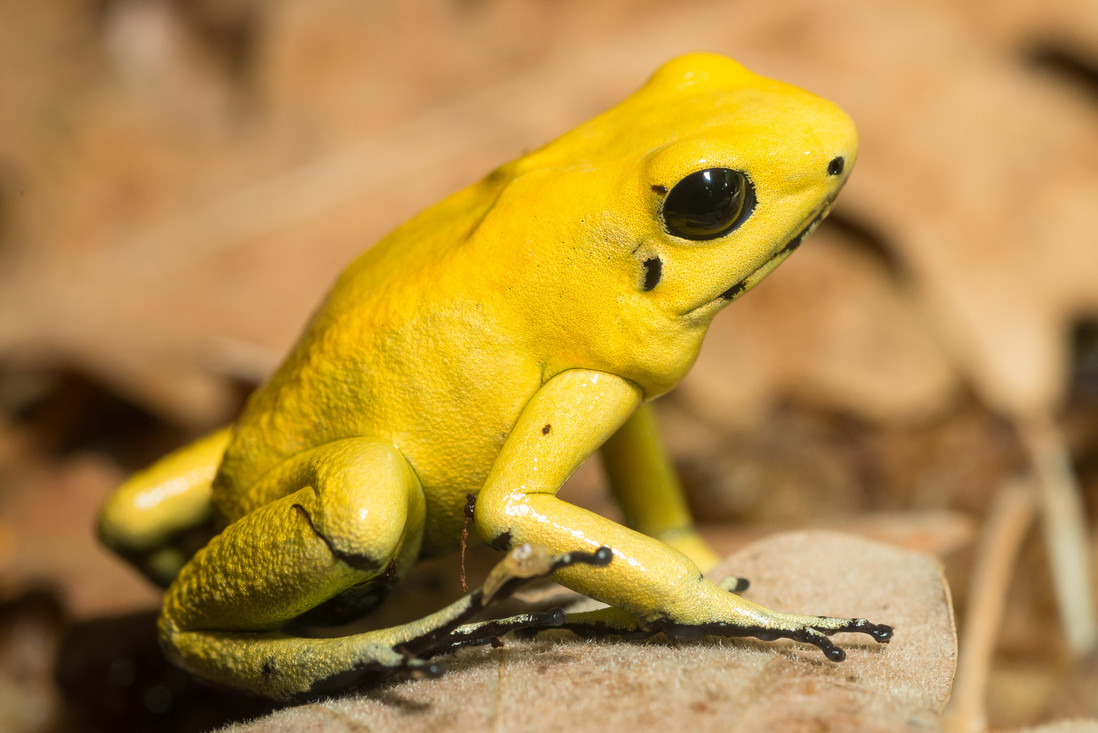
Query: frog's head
{"points": [[749, 169], [658, 213]]}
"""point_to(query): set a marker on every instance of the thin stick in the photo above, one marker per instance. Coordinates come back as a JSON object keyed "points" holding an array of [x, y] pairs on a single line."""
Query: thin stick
{"points": [[470, 509], [1065, 532], [1010, 517]]}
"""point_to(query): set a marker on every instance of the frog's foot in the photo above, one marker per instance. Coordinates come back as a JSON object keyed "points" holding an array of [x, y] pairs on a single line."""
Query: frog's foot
{"points": [[603, 622], [410, 648], [813, 630], [612, 621], [521, 566], [443, 640]]}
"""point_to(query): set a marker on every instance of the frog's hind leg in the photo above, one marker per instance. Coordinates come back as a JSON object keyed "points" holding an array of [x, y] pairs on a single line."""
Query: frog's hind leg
{"points": [[342, 516], [151, 518], [286, 667]]}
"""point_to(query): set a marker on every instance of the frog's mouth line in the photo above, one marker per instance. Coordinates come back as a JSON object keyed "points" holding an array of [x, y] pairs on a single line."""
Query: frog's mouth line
{"points": [[776, 259]]}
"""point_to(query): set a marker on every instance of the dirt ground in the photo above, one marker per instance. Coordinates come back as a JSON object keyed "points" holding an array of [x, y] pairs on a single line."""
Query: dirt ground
{"points": [[182, 180]]}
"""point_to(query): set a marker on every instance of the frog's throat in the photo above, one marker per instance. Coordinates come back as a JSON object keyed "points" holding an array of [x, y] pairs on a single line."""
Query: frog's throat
{"points": [[755, 277]]}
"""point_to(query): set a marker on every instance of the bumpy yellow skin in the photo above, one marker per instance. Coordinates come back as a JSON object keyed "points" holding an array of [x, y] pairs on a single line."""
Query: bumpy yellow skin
{"points": [[488, 346]]}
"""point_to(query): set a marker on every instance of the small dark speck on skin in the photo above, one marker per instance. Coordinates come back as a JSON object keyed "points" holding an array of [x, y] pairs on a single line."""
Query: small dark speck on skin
{"points": [[659, 188], [653, 271], [546, 429]]}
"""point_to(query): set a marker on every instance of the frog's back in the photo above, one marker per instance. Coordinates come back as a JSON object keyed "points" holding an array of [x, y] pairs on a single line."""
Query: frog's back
{"points": [[397, 352]]}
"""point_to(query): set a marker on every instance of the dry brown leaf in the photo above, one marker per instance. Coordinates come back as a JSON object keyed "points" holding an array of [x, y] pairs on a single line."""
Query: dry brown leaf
{"points": [[712, 685], [979, 168]]}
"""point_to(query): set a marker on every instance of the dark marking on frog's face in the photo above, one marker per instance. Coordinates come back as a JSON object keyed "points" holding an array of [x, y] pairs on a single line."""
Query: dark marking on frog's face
{"points": [[547, 429], [735, 290], [653, 270], [739, 287], [501, 542], [792, 244]]}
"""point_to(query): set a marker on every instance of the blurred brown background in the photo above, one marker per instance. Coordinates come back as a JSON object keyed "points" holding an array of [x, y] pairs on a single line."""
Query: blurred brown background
{"points": [[181, 180]]}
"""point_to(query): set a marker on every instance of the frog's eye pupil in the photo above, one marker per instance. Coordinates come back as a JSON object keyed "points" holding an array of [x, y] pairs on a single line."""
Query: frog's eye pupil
{"points": [[708, 204]]}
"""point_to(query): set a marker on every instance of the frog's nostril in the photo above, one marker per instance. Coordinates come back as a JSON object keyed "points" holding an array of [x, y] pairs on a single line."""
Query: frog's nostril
{"points": [[835, 167]]}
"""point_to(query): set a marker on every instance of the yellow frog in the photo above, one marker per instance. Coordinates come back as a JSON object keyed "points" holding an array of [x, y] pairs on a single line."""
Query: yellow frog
{"points": [[480, 353]]}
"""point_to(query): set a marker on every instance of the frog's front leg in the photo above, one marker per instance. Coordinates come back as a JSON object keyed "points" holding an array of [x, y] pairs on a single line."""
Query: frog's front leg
{"points": [[346, 516], [570, 416], [648, 491]]}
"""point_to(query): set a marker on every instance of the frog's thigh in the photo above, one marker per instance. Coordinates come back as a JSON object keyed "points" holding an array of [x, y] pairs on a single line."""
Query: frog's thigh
{"points": [[347, 512], [357, 510]]}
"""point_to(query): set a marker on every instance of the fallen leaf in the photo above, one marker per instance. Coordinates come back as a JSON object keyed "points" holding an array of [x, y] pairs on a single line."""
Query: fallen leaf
{"points": [[708, 685]]}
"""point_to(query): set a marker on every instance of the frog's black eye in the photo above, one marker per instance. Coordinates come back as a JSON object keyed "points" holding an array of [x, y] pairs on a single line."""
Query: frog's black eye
{"points": [[708, 204]]}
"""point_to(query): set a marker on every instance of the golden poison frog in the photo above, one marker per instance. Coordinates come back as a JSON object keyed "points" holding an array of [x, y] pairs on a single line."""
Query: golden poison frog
{"points": [[485, 349]]}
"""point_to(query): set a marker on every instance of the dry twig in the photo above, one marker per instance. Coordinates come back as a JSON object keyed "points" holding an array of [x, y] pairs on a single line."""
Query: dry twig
{"points": [[1010, 517]]}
